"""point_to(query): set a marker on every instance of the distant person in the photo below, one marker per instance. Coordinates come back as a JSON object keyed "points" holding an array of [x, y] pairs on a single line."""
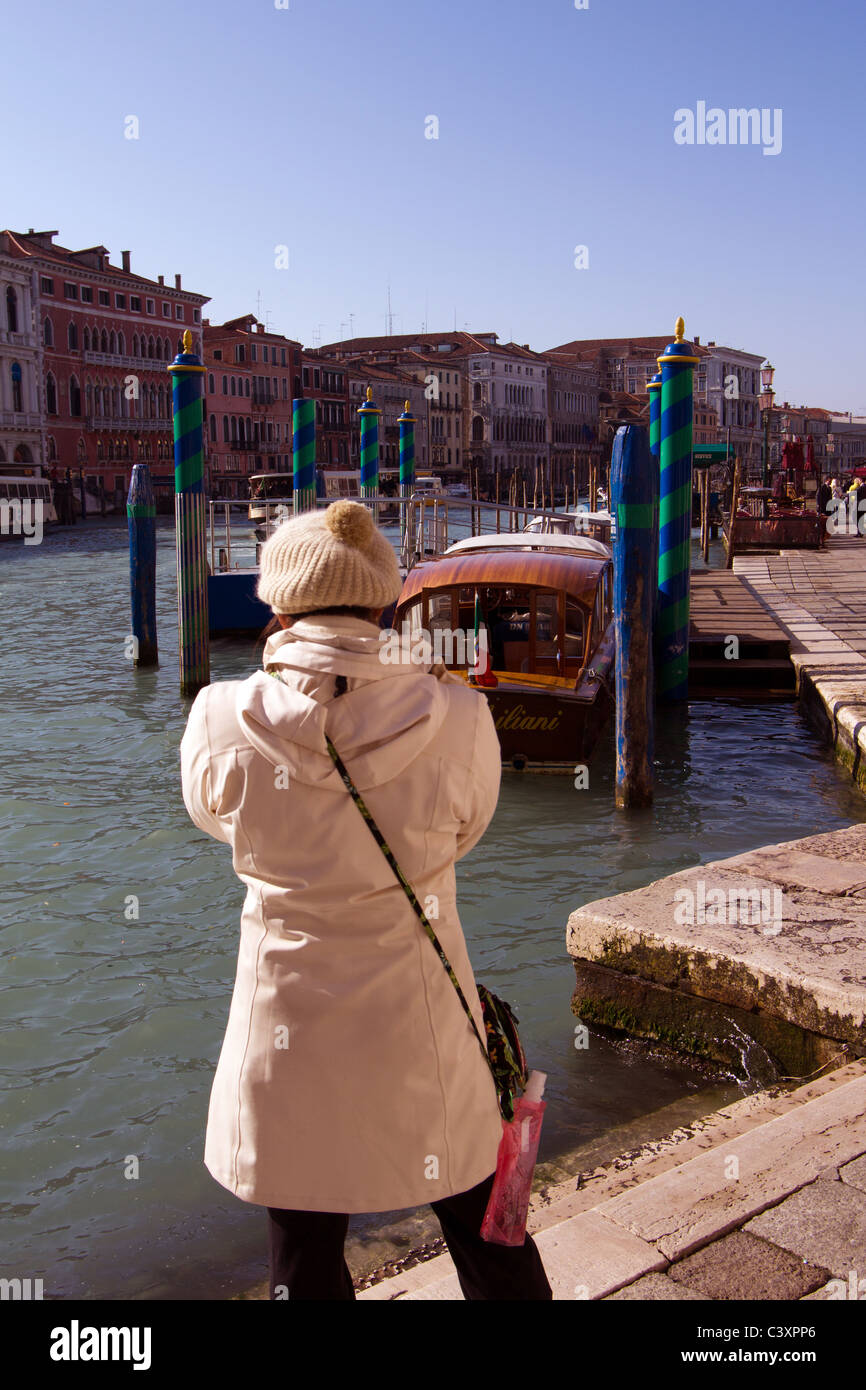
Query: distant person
{"points": [[350, 1079]]}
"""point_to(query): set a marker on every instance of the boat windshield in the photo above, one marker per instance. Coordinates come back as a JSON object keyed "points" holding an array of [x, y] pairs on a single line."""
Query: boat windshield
{"points": [[528, 631], [270, 485]]}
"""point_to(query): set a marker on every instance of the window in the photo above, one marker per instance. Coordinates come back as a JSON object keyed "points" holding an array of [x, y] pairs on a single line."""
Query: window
{"points": [[239, 353], [70, 290], [196, 315], [46, 284], [16, 386], [104, 298], [150, 306], [48, 333], [120, 301], [218, 356], [166, 310], [135, 303], [234, 390], [74, 396], [282, 357], [178, 311], [72, 335], [306, 376], [253, 353], [50, 395], [86, 294]]}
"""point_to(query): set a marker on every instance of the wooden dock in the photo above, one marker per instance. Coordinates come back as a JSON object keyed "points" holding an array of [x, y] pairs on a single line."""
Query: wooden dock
{"points": [[737, 650]]}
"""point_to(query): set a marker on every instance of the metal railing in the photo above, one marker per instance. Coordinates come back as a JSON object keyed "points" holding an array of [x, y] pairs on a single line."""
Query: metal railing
{"points": [[428, 524]]}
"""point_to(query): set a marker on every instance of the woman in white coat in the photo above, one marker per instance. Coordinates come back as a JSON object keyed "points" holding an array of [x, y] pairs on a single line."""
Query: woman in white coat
{"points": [[350, 1079]]}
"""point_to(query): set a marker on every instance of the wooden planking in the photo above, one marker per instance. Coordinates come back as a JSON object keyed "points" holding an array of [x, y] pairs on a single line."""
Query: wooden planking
{"points": [[721, 605]]}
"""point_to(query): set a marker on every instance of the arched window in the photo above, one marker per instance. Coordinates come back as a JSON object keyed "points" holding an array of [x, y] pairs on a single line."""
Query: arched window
{"points": [[248, 386], [112, 342], [88, 398], [74, 396], [121, 344], [11, 309], [50, 395], [225, 385], [103, 342], [48, 333], [85, 338], [234, 391], [82, 451], [16, 386], [225, 429], [210, 385], [213, 429], [52, 449], [161, 399], [72, 337], [476, 391], [477, 430], [135, 344], [151, 349]]}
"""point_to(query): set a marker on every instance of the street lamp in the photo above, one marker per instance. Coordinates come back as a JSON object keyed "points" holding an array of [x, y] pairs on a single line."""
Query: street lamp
{"points": [[767, 393]]}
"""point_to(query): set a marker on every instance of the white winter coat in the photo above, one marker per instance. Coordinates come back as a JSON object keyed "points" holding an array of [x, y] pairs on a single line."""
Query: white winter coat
{"points": [[350, 1079]]}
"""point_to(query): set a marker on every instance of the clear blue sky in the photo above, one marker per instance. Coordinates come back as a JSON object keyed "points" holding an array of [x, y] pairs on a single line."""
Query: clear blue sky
{"points": [[305, 127]]}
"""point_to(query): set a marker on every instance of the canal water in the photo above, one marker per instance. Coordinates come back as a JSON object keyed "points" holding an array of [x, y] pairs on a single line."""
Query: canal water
{"points": [[112, 1027]]}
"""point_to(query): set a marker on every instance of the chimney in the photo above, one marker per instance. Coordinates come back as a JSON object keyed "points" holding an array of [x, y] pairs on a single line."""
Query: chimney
{"points": [[125, 258], [177, 282], [696, 340], [160, 279]]}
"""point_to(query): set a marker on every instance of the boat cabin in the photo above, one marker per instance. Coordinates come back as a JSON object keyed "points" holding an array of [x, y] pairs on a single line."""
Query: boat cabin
{"points": [[544, 612]]}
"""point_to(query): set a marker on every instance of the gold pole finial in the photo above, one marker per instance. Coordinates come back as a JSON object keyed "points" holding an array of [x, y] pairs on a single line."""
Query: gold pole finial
{"points": [[187, 340], [407, 407], [679, 330], [369, 393]]}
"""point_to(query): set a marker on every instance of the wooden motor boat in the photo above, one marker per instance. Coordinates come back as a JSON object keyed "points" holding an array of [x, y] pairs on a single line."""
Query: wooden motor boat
{"points": [[545, 616]]}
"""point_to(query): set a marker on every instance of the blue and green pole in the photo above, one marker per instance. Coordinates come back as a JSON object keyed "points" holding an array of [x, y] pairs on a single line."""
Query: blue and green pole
{"points": [[187, 375], [369, 413], [407, 423], [141, 522], [654, 388], [633, 503], [304, 453], [675, 516]]}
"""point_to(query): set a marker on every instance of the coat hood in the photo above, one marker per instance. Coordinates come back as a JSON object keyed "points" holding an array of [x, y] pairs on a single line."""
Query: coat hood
{"points": [[389, 713]]}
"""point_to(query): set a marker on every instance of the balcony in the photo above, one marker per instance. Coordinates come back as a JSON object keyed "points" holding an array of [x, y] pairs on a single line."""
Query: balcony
{"points": [[114, 359], [130, 426], [247, 445], [18, 340], [20, 419], [262, 400]]}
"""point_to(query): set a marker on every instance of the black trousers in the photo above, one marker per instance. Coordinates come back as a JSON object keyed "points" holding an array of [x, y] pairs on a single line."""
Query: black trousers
{"points": [[306, 1256]]}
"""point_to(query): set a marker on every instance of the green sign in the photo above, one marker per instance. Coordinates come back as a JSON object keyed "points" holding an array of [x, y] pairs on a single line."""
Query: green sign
{"points": [[705, 455]]}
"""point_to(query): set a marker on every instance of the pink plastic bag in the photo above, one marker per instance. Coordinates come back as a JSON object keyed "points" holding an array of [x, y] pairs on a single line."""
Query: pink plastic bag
{"points": [[505, 1218]]}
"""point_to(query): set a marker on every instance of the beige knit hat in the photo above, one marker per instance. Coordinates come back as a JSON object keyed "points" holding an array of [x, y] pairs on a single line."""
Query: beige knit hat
{"points": [[328, 559]]}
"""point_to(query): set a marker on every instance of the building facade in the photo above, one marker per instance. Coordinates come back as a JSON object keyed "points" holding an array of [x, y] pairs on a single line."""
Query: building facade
{"points": [[252, 378], [22, 436], [107, 338], [575, 442]]}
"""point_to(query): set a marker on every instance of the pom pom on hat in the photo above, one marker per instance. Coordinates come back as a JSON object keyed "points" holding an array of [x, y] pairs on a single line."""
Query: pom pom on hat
{"points": [[334, 558], [350, 523]]}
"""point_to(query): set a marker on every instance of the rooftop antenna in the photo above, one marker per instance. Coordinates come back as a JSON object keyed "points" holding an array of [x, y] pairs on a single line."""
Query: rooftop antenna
{"points": [[258, 305], [390, 315], [351, 325]]}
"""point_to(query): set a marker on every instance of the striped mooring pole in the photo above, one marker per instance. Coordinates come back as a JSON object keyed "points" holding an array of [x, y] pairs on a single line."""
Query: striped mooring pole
{"points": [[633, 503], [187, 375], [369, 413], [141, 521], [675, 516], [654, 388], [407, 423], [304, 454]]}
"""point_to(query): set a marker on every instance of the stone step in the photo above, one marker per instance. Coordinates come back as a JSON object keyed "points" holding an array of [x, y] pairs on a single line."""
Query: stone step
{"points": [[639, 1231]]}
